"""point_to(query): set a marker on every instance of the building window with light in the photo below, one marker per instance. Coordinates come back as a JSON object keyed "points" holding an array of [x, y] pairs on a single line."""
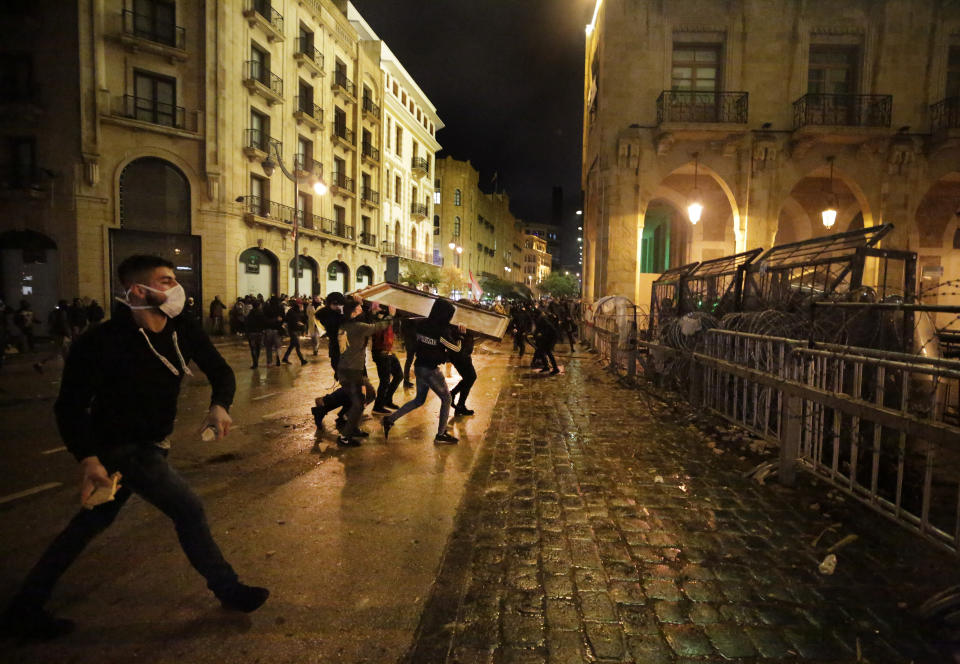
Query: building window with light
{"points": [[456, 226], [456, 197]]}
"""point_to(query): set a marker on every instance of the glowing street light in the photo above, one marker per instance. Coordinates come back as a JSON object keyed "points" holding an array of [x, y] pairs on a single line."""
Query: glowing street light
{"points": [[695, 209], [829, 213]]}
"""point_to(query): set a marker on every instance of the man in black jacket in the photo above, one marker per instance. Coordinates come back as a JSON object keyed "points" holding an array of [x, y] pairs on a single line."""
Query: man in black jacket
{"points": [[116, 408], [294, 323], [463, 363], [435, 337]]}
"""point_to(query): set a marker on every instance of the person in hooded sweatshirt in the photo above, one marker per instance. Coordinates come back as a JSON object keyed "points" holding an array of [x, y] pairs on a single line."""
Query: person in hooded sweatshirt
{"points": [[115, 412], [463, 363], [434, 338]]}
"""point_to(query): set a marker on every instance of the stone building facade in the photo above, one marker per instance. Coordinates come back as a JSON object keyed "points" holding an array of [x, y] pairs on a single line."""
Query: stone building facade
{"points": [[481, 224], [766, 112], [146, 128], [536, 260]]}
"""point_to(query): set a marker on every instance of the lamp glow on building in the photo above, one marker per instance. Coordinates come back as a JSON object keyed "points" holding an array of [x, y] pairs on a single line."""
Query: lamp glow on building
{"points": [[829, 213], [695, 208]]}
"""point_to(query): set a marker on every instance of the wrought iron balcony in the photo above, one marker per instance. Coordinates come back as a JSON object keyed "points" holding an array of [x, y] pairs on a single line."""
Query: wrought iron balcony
{"points": [[306, 51], [147, 26], [945, 114], [333, 227], [368, 195], [418, 209], [257, 139], [156, 112], [342, 182], [341, 82], [305, 166], [346, 135], [702, 107], [842, 110], [370, 107], [258, 73], [262, 12], [368, 239], [263, 207], [370, 152], [306, 106], [396, 249], [419, 164]]}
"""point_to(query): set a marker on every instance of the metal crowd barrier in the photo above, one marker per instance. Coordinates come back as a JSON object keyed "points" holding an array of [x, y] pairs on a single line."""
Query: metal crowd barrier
{"points": [[868, 422]]}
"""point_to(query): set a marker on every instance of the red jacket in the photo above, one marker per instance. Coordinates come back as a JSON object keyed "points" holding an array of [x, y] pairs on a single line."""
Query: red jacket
{"points": [[383, 341]]}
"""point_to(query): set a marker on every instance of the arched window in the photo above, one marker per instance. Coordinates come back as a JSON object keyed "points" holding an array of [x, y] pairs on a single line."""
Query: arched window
{"points": [[456, 197], [154, 196], [413, 237], [456, 226], [436, 224], [364, 276], [396, 236]]}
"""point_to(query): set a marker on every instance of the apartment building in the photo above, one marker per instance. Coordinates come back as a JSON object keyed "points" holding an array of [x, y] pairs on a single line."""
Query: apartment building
{"points": [[536, 260], [226, 136], [753, 119]]}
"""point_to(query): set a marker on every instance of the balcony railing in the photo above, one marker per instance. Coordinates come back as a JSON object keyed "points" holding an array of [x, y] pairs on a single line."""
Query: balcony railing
{"points": [[370, 195], [157, 112], [945, 114], [368, 239], [418, 209], [419, 164], [266, 10], [341, 181], [341, 81], [256, 71], [707, 107], [304, 164], [842, 110], [340, 131], [264, 207], [370, 152], [333, 227], [259, 140], [370, 107], [306, 106], [395, 249], [306, 49], [145, 26]]}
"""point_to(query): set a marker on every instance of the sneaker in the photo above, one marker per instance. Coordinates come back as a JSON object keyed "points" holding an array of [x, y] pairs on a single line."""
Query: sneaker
{"points": [[35, 623], [285, 362], [387, 425], [360, 433], [380, 410], [463, 411], [407, 385], [393, 406], [243, 598], [555, 372], [346, 441], [38, 367], [445, 439], [302, 362]]}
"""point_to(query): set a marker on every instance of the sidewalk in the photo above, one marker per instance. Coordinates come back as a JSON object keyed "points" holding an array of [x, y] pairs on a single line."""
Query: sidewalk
{"points": [[599, 525]]}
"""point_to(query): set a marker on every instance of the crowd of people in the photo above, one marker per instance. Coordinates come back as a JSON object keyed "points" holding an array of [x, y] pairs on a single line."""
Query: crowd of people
{"points": [[121, 380], [20, 327]]}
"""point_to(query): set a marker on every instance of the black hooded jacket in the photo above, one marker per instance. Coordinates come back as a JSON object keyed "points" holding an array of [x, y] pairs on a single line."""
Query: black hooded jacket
{"points": [[435, 336], [116, 389]]}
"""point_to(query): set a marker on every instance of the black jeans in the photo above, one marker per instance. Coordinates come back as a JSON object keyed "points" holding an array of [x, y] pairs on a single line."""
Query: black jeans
{"points": [[294, 345], [390, 375], [255, 340], [355, 384], [145, 471], [468, 376]]}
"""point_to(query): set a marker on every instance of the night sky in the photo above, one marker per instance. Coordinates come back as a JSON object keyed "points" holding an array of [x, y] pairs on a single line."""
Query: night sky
{"points": [[506, 77]]}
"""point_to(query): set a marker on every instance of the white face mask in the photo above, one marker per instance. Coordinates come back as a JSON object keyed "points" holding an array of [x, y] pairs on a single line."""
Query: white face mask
{"points": [[176, 298]]}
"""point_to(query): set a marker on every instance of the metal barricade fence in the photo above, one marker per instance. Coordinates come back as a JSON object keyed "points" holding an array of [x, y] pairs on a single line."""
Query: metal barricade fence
{"points": [[868, 422]]}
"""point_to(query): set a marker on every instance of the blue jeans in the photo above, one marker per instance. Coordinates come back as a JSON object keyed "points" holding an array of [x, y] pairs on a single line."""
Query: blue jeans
{"points": [[427, 379], [144, 471]]}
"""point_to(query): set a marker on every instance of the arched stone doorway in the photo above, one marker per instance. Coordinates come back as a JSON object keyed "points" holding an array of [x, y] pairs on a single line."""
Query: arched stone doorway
{"points": [[665, 239], [337, 275], [155, 218], [308, 277], [257, 273], [30, 270], [800, 218], [364, 276], [413, 238], [936, 239]]}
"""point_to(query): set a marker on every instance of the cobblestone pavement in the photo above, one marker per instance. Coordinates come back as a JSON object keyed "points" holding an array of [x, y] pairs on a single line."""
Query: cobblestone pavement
{"points": [[598, 525]]}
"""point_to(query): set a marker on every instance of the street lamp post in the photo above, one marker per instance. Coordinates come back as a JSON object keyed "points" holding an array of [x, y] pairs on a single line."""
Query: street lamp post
{"points": [[454, 246], [319, 187]]}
